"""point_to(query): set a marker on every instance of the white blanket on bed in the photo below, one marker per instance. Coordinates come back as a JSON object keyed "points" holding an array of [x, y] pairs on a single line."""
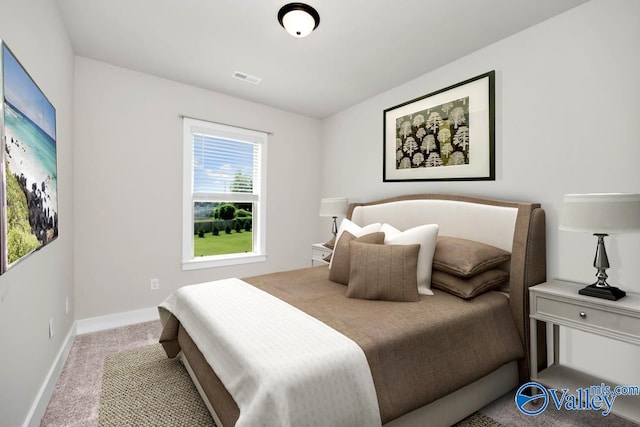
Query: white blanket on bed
{"points": [[282, 366]]}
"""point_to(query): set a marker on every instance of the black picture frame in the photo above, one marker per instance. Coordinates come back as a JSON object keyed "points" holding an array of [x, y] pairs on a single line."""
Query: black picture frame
{"points": [[446, 135]]}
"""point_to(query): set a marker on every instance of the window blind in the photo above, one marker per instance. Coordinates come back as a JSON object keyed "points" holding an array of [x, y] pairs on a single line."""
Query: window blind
{"points": [[225, 169]]}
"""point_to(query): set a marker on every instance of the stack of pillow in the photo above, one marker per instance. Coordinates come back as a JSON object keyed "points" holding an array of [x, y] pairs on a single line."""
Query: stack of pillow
{"points": [[380, 262], [467, 268]]}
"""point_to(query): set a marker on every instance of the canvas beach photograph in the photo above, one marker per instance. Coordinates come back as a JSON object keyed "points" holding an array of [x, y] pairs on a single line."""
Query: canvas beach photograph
{"points": [[445, 135], [29, 205]]}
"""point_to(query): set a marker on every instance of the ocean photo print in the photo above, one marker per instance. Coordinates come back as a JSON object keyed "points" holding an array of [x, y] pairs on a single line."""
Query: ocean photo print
{"points": [[30, 191]]}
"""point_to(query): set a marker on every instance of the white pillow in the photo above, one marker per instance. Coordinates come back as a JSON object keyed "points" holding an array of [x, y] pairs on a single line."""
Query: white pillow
{"points": [[355, 229], [426, 236]]}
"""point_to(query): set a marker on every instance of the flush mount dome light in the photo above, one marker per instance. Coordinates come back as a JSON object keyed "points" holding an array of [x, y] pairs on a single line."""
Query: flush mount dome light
{"points": [[298, 19]]}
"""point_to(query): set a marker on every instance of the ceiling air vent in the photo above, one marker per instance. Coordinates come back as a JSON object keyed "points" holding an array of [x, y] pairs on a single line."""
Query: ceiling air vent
{"points": [[247, 78]]}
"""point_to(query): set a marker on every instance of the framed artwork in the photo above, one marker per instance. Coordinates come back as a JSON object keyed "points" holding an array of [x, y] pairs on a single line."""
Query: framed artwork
{"points": [[29, 190], [445, 135]]}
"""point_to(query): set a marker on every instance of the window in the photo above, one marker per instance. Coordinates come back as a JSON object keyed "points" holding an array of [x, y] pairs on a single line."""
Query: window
{"points": [[224, 195]]}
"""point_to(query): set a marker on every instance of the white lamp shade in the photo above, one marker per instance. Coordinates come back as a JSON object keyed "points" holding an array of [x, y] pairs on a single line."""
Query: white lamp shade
{"points": [[298, 23], [601, 213], [336, 206]]}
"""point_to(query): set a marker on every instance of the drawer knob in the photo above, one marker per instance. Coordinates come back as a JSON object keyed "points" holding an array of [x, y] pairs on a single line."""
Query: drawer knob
{"points": [[583, 315]]}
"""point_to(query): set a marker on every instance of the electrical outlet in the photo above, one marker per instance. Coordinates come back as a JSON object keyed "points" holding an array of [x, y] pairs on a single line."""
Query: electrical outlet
{"points": [[67, 306], [50, 328], [154, 284]]}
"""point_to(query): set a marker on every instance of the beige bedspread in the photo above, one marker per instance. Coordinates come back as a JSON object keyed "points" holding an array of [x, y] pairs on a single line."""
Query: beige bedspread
{"points": [[417, 352]]}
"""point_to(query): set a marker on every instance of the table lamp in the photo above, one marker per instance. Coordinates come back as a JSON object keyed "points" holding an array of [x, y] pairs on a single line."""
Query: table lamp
{"points": [[334, 207], [601, 214]]}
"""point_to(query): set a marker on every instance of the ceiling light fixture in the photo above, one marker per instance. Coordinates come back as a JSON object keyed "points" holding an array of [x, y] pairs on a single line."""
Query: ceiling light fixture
{"points": [[298, 19]]}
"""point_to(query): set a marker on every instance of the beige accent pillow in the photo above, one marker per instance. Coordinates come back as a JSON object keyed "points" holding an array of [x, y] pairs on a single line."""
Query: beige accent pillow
{"points": [[383, 272], [340, 259], [330, 244], [354, 229], [466, 258], [471, 287], [426, 236]]}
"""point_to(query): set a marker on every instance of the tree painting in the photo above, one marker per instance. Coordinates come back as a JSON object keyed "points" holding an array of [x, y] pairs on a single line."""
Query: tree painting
{"points": [[442, 139]]}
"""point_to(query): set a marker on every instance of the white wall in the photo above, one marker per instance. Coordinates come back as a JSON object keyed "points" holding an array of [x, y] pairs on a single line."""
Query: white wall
{"points": [[34, 291], [566, 122], [128, 166]]}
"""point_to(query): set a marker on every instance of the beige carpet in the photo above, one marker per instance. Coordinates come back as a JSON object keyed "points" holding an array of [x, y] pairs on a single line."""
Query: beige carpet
{"points": [[478, 419], [142, 387], [76, 398]]}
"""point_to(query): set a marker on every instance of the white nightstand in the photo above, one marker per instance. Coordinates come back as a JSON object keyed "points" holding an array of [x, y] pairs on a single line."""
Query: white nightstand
{"points": [[559, 303], [318, 253]]}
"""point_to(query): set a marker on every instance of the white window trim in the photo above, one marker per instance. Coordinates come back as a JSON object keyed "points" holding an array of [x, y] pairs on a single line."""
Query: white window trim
{"points": [[259, 253]]}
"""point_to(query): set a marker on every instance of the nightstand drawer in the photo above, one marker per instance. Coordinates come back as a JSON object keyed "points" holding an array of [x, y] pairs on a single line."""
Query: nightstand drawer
{"points": [[588, 317], [319, 252], [560, 304]]}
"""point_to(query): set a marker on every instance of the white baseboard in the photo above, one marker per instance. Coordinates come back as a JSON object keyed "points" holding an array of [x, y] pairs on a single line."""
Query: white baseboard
{"points": [[93, 324], [80, 327], [39, 405]]}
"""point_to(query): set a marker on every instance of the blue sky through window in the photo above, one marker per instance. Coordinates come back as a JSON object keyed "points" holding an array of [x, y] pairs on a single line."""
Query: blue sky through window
{"points": [[216, 162]]}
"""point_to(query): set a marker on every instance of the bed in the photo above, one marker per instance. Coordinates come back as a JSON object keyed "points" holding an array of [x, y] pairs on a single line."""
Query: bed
{"points": [[430, 358]]}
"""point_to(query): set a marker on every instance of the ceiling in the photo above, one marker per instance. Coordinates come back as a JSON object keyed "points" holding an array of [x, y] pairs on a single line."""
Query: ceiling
{"points": [[361, 47]]}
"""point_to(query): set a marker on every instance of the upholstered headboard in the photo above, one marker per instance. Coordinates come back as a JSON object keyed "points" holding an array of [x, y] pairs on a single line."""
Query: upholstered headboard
{"points": [[514, 226]]}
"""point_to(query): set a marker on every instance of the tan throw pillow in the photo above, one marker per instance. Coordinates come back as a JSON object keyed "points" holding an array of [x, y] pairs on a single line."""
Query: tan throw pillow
{"points": [[340, 259], [356, 230], [466, 258], [330, 244], [426, 236], [384, 272], [471, 287]]}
